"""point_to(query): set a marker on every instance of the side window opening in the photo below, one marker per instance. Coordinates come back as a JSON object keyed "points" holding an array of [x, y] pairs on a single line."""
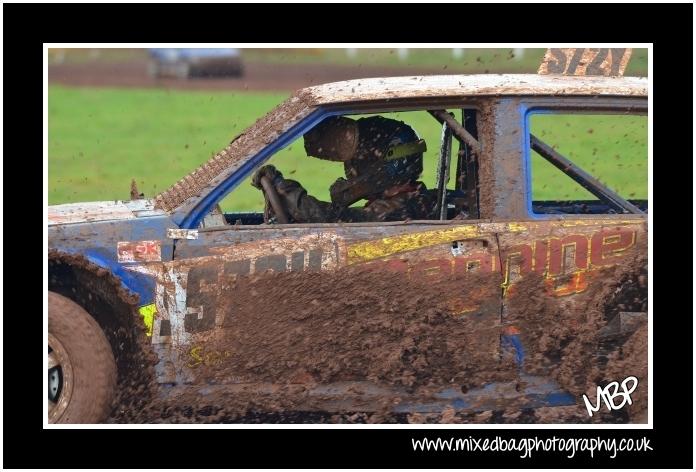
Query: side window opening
{"points": [[587, 163], [321, 177]]}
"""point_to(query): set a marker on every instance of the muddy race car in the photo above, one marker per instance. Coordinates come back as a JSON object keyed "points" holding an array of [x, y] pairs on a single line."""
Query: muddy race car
{"points": [[501, 300]]}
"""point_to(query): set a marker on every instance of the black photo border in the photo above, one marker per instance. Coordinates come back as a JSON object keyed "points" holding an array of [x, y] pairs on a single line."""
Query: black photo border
{"points": [[26, 27]]}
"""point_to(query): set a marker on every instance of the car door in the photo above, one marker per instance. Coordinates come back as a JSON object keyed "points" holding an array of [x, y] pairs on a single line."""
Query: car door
{"points": [[454, 266], [223, 286], [449, 266]]}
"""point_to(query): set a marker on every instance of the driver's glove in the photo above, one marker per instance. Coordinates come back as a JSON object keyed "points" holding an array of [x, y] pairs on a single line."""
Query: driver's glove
{"points": [[266, 171]]}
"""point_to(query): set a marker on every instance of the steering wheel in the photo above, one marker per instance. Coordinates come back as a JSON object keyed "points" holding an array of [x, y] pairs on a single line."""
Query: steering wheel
{"points": [[273, 199]]}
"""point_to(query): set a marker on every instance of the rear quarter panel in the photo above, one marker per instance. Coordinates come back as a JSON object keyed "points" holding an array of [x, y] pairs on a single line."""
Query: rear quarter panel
{"points": [[559, 276]]}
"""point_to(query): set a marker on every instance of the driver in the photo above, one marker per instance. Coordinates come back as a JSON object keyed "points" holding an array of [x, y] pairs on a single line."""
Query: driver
{"points": [[382, 159]]}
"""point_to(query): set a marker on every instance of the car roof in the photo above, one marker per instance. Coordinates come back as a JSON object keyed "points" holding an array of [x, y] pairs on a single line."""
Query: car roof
{"points": [[383, 88]]}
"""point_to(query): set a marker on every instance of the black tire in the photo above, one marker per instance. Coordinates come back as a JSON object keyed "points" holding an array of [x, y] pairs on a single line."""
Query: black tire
{"points": [[86, 363]]}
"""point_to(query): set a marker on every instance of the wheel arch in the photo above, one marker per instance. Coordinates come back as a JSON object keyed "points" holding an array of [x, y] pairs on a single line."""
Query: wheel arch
{"points": [[115, 308]]}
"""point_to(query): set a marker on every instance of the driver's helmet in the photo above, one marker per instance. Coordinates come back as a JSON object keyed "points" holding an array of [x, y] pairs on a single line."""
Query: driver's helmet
{"points": [[378, 153]]}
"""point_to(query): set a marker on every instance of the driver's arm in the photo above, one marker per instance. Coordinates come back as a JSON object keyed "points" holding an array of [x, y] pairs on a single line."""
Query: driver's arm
{"points": [[303, 208]]}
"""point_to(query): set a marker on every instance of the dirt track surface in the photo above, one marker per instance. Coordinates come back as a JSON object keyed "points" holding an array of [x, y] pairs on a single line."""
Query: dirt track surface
{"points": [[257, 76]]}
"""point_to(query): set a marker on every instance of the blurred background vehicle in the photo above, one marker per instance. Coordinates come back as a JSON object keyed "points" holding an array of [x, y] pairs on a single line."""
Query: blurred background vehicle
{"points": [[184, 63]]}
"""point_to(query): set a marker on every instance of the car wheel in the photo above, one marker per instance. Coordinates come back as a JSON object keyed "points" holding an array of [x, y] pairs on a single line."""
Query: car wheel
{"points": [[81, 365]]}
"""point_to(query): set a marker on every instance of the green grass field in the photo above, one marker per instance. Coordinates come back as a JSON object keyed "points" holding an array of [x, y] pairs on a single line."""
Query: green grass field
{"points": [[100, 139], [612, 148]]}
